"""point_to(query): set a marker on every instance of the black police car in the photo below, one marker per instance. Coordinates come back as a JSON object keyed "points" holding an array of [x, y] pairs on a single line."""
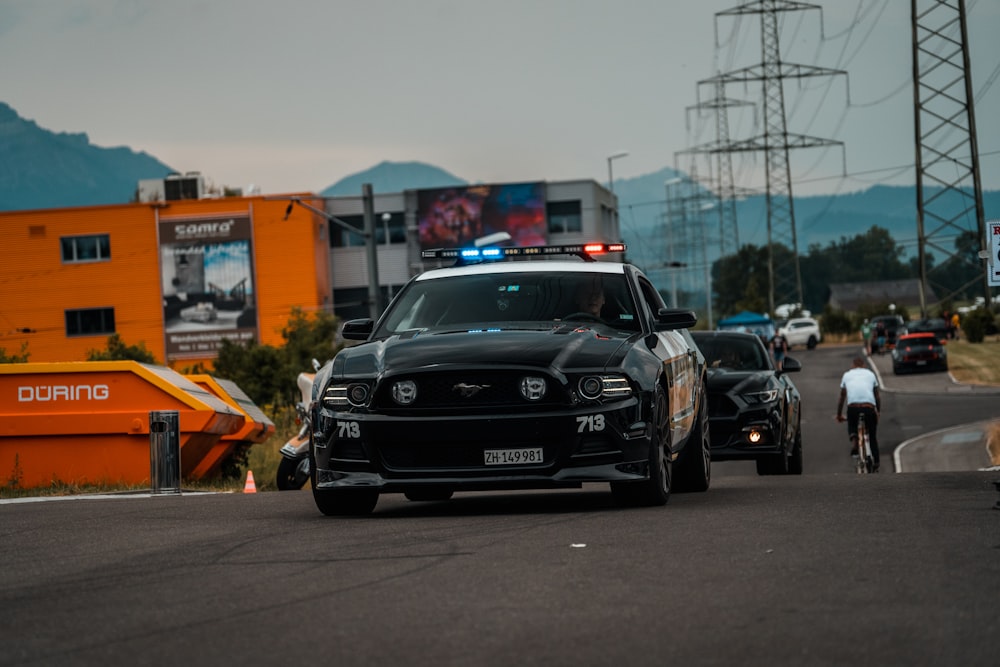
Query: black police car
{"points": [[500, 374]]}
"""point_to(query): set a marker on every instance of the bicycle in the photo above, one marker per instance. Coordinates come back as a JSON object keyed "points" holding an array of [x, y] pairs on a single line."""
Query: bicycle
{"points": [[865, 463]]}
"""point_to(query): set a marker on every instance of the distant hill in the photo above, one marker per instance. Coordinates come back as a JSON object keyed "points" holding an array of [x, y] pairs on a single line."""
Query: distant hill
{"points": [[394, 177], [43, 169]]}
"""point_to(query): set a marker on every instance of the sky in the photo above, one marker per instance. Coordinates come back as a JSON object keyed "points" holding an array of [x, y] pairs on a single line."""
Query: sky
{"points": [[292, 96]]}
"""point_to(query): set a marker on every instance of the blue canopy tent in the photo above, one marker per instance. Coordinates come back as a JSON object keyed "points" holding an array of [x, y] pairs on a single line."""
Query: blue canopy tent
{"points": [[762, 325]]}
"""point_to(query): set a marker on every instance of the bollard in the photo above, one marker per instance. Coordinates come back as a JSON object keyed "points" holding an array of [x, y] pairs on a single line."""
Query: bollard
{"points": [[164, 451]]}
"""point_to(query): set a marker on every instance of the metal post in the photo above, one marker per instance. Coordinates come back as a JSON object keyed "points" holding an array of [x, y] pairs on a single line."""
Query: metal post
{"points": [[374, 289], [164, 451]]}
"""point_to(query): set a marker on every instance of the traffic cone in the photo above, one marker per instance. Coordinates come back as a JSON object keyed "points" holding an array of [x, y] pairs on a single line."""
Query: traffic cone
{"points": [[250, 486]]}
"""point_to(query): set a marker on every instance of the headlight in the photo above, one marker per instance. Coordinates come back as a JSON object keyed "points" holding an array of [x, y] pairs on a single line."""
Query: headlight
{"points": [[766, 396], [532, 388], [354, 394], [593, 387], [404, 392]]}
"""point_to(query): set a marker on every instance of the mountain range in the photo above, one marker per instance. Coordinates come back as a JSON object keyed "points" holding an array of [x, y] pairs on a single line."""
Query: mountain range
{"points": [[44, 169]]}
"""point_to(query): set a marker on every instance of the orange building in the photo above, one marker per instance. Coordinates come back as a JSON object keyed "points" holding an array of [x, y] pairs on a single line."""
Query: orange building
{"points": [[178, 276]]}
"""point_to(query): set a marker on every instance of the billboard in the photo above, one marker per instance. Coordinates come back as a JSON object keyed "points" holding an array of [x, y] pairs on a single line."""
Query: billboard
{"points": [[206, 272], [456, 216], [993, 245]]}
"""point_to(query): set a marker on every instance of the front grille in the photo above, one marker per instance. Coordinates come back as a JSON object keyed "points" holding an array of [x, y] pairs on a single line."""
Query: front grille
{"points": [[468, 389]]}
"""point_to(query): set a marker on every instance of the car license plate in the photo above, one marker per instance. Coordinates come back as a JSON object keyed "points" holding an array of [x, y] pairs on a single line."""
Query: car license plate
{"points": [[922, 362], [505, 457]]}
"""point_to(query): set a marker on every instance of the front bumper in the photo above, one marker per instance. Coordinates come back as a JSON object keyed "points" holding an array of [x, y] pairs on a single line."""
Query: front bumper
{"points": [[743, 434], [596, 443]]}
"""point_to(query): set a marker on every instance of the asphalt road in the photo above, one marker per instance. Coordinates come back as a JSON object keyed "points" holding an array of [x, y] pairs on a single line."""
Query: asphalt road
{"points": [[827, 568]]}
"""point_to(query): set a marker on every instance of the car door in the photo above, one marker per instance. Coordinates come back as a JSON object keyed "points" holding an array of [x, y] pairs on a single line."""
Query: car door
{"points": [[680, 367]]}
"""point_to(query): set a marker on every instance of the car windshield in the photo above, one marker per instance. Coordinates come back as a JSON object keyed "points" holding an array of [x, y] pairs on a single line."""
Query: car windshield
{"points": [[741, 354], [475, 301]]}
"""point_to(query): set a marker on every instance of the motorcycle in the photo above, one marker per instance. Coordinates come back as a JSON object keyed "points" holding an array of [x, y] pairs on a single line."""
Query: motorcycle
{"points": [[293, 469]]}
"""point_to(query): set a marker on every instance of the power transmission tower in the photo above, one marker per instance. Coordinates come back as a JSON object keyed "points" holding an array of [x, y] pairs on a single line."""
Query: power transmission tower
{"points": [[724, 185], [784, 277], [949, 191]]}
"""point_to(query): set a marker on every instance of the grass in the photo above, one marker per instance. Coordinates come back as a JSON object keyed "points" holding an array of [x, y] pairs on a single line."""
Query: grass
{"points": [[975, 363]]}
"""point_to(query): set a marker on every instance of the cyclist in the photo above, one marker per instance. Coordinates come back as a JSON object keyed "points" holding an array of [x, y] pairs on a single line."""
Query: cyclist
{"points": [[859, 390]]}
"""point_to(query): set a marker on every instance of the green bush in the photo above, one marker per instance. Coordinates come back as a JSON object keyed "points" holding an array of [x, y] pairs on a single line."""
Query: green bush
{"points": [[976, 324], [836, 321]]}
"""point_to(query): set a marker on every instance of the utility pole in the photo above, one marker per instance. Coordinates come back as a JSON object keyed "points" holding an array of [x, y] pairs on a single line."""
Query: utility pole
{"points": [[784, 277], [948, 179]]}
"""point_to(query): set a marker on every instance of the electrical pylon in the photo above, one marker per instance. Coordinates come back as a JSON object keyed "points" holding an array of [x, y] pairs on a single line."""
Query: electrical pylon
{"points": [[949, 190], [784, 278]]}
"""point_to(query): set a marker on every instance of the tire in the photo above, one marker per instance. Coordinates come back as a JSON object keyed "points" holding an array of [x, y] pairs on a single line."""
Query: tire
{"points": [[655, 490], [812, 342], [292, 474], [342, 502], [795, 460], [773, 464], [429, 494], [694, 471], [346, 502]]}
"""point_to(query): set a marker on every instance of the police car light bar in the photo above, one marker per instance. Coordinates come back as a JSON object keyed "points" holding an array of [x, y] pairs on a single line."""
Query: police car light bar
{"points": [[585, 250]]}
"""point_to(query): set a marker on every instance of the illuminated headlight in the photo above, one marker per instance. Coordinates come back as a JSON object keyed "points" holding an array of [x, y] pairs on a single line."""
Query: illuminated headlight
{"points": [[755, 436], [404, 392], [761, 396], [592, 387], [341, 395], [532, 388]]}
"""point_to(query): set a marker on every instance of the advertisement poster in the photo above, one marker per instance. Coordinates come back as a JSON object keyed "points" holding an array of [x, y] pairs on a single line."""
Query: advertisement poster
{"points": [[207, 278], [457, 216]]}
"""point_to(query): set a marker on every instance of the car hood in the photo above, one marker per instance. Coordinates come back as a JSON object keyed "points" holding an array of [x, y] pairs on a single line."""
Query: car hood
{"points": [[559, 347], [721, 380]]}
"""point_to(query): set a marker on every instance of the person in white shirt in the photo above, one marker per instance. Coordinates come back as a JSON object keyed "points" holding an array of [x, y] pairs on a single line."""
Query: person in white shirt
{"points": [[859, 390]]}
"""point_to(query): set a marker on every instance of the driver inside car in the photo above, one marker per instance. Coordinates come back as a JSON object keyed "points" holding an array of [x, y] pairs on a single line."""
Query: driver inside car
{"points": [[589, 297]]}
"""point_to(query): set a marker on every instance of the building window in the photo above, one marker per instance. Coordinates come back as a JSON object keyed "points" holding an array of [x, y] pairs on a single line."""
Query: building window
{"points": [[90, 322], [564, 216], [395, 227], [96, 248], [351, 303], [341, 238]]}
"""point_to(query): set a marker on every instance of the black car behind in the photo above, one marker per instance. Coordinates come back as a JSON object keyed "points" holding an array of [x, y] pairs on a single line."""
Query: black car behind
{"points": [[754, 410]]}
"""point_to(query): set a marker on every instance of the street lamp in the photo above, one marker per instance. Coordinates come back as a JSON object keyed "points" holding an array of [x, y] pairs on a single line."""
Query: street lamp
{"points": [[611, 178]]}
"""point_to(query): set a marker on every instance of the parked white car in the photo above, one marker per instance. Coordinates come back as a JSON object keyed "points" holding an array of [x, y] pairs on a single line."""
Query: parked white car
{"points": [[801, 331]]}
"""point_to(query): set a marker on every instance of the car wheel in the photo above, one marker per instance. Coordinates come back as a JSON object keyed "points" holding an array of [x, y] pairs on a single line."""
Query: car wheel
{"points": [[773, 464], [430, 494], [656, 489], [292, 474], [342, 502], [345, 502], [812, 342], [694, 471], [795, 460]]}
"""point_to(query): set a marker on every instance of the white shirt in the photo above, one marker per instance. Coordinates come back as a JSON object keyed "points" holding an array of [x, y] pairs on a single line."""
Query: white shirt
{"points": [[860, 384]]}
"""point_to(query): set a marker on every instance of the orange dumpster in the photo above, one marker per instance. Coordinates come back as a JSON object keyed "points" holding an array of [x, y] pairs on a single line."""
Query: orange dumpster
{"points": [[256, 428], [88, 422]]}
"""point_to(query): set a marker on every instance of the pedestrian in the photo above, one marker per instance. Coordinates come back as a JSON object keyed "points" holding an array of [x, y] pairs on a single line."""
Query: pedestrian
{"points": [[778, 346], [859, 390], [866, 335], [880, 336], [955, 325]]}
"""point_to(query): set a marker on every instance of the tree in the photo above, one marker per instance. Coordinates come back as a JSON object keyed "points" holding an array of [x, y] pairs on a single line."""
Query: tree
{"points": [[117, 350], [18, 358], [268, 374], [741, 281]]}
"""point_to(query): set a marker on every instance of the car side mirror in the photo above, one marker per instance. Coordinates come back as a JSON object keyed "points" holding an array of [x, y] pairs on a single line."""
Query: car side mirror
{"points": [[358, 329], [668, 319]]}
